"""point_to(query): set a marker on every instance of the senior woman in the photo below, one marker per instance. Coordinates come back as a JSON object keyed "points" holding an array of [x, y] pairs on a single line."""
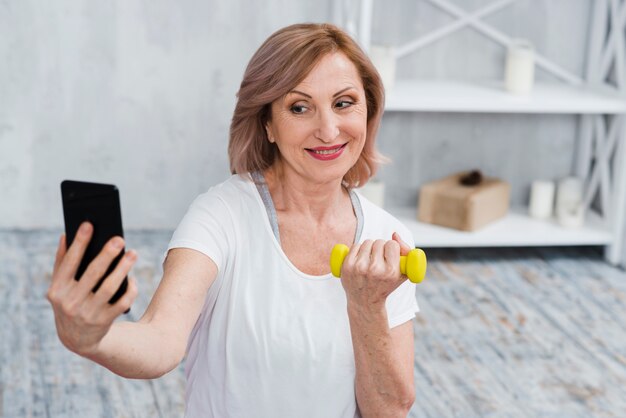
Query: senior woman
{"points": [[246, 292]]}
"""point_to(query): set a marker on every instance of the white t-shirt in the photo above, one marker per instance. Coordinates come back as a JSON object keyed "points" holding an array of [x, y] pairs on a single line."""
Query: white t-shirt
{"points": [[271, 341]]}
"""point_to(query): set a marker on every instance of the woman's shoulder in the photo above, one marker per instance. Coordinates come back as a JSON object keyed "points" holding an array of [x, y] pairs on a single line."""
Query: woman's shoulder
{"points": [[233, 196], [224, 202], [379, 222], [373, 210], [234, 188]]}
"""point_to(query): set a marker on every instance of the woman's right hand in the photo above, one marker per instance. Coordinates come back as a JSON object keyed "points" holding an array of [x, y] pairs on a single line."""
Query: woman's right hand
{"points": [[82, 317]]}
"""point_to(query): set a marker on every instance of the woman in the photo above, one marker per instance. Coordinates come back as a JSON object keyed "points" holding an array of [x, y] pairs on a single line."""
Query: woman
{"points": [[246, 292]]}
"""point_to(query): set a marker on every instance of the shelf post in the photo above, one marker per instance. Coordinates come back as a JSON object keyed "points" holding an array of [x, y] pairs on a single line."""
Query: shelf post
{"points": [[365, 24], [615, 252]]}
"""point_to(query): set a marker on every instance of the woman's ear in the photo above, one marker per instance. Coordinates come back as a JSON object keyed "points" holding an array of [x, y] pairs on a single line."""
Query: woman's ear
{"points": [[268, 131]]}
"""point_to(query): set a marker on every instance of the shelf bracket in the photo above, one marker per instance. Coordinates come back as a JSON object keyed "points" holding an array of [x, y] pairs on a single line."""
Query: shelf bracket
{"points": [[599, 178], [506, 40], [446, 30]]}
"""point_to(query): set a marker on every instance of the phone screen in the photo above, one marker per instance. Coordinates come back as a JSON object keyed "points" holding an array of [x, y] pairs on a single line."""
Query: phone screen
{"points": [[100, 205]]}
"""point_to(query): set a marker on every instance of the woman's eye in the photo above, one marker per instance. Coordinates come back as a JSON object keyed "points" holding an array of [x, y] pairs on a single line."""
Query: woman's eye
{"points": [[342, 104], [298, 109]]}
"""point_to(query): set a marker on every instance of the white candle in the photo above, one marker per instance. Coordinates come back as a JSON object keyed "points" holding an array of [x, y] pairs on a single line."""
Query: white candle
{"points": [[541, 199], [520, 67], [572, 217], [384, 59], [374, 191], [569, 192], [569, 202]]}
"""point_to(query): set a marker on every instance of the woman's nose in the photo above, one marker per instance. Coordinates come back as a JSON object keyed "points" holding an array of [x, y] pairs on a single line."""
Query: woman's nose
{"points": [[328, 127]]}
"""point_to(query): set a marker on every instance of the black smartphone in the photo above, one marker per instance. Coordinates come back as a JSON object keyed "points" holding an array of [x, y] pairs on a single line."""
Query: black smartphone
{"points": [[100, 205]]}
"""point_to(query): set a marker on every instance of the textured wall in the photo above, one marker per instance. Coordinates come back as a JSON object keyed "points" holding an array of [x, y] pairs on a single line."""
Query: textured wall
{"points": [[141, 94], [138, 93]]}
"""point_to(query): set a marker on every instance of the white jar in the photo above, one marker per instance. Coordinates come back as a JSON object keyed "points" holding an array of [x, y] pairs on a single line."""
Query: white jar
{"points": [[569, 202], [374, 191], [384, 59], [520, 67], [541, 199]]}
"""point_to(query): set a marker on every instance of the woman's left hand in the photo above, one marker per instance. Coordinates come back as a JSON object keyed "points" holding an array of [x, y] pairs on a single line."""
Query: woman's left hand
{"points": [[371, 271]]}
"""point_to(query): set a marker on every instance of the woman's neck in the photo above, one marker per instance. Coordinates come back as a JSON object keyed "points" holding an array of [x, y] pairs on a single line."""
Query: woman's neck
{"points": [[292, 192]]}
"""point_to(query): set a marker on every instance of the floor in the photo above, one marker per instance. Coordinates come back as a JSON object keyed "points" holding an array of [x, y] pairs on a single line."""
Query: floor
{"points": [[501, 333]]}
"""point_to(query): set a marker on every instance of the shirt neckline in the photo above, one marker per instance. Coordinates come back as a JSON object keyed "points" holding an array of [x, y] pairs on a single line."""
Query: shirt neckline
{"points": [[272, 220]]}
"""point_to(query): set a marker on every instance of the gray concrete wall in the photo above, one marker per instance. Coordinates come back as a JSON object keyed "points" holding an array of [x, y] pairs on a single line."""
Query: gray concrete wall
{"points": [[141, 93], [137, 93]]}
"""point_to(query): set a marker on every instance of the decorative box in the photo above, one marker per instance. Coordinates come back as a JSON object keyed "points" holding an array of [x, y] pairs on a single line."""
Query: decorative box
{"points": [[464, 201]]}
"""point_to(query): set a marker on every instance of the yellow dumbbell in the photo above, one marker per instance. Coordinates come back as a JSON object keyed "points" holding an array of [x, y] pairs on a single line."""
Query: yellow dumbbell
{"points": [[413, 265]]}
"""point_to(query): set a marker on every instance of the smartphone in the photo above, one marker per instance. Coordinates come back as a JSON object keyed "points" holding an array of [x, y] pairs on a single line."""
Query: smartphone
{"points": [[100, 205]]}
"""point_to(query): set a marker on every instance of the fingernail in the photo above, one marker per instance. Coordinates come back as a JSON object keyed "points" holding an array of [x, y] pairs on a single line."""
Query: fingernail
{"points": [[118, 243], [85, 228]]}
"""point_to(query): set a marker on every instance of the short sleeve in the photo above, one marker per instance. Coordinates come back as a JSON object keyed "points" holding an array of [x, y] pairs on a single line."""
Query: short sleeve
{"points": [[207, 227], [401, 304]]}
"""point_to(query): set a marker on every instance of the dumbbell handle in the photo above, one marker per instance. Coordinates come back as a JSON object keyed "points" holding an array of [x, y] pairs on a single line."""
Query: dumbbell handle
{"points": [[412, 265]]}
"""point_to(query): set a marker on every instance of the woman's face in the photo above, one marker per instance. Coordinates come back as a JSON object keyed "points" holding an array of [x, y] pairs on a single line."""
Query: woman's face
{"points": [[321, 124]]}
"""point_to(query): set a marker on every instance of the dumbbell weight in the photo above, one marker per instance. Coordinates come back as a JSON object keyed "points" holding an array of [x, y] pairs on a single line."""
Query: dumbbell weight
{"points": [[413, 265]]}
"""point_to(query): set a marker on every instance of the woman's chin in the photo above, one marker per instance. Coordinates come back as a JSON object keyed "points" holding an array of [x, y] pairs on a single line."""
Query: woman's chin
{"points": [[330, 175]]}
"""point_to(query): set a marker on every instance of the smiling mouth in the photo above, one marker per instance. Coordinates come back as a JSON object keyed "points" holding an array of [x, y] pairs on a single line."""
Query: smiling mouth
{"points": [[327, 151]]}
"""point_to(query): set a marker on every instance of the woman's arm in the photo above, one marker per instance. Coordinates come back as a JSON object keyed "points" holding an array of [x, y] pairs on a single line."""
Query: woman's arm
{"points": [[144, 349], [156, 344], [384, 364], [383, 356]]}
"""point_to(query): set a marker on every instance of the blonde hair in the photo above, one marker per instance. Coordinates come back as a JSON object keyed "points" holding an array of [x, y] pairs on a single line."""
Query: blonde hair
{"points": [[281, 63]]}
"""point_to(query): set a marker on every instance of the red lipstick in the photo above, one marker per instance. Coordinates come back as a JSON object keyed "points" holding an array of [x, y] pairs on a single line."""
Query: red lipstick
{"points": [[326, 153]]}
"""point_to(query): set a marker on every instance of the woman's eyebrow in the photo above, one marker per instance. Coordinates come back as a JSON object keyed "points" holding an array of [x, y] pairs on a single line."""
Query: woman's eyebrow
{"points": [[299, 92], [341, 91], [310, 97]]}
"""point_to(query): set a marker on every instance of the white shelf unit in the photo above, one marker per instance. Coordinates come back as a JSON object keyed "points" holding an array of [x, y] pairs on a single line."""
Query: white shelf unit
{"points": [[601, 156], [516, 229], [490, 97]]}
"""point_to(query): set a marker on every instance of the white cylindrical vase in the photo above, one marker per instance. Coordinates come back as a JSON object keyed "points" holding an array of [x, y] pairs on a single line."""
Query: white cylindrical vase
{"points": [[572, 217], [541, 199], [374, 191], [520, 67], [384, 59], [569, 202]]}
